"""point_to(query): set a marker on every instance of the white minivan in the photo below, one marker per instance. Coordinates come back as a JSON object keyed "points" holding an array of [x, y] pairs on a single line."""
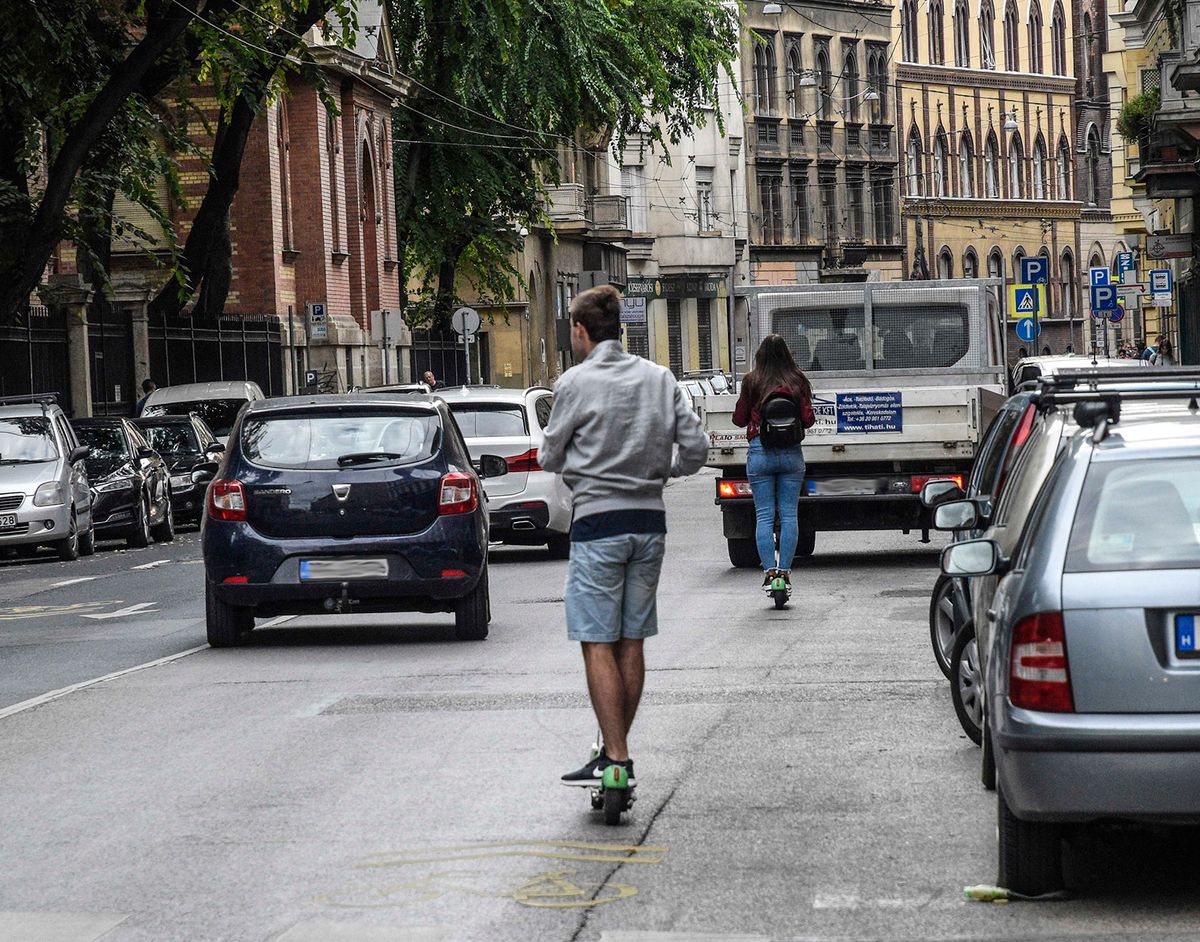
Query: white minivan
{"points": [[218, 404]]}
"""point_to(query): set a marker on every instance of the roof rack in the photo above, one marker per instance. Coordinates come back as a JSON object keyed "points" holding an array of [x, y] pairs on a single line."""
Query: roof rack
{"points": [[43, 398], [1070, 379]]}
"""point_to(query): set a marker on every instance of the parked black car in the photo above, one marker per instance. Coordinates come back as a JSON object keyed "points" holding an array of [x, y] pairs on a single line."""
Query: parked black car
{"points": [[187, 444], [131, 488], [346, 503]]}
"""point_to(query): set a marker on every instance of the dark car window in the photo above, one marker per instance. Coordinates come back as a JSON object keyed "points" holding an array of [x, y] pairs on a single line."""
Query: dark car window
{"points": [[1138, 515], [995, 443], [220, 414], [318, 441], [25, 439], [490, 420], [109, 450], [175, 438], [543, 407]]}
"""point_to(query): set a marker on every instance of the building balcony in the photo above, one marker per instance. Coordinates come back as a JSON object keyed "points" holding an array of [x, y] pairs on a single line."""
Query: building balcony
{"points": [[567, 205], [1184, 74], [609, 216], [1168, 166]]}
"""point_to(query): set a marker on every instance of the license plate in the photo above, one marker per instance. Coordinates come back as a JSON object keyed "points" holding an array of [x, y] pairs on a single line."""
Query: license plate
{"points": [[844, 487], [1186, 643], [8, 521], [338, 570]]}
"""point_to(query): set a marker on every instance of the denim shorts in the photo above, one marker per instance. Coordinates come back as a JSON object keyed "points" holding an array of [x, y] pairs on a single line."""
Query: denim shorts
{"points": [[612, 584]]}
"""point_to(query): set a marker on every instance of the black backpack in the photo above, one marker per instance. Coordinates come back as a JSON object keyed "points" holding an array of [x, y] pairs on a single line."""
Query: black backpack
{"points": [[780, 426]]}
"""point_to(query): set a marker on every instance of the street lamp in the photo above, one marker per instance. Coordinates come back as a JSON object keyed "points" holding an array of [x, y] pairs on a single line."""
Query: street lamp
{"points": [[772, 9], [870, 94]]}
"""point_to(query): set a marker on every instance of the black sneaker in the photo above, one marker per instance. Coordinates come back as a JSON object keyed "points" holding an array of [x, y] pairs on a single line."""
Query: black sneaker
{"points": [[591, 774]]}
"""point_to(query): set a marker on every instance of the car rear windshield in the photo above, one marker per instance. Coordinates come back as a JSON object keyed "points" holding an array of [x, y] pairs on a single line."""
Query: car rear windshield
{"points": [[218, 413], [340, 440], [25, 439], [173, 438], [1138, 515], [490, 419]]}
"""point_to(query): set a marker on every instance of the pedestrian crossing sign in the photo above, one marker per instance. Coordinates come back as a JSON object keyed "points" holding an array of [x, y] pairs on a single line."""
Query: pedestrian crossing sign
{"points": [[1026, 300]]}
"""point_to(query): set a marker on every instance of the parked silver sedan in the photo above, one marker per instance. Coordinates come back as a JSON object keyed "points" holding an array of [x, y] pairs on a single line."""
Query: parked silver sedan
{"points": [[1092, 678]]}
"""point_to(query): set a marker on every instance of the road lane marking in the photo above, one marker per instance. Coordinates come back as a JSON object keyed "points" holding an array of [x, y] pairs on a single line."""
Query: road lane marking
{"points": [[66, 582], [323, 930], [153, 565], [18, 612], [575, 851], [140, 608], [63, 691], [61, 927]]}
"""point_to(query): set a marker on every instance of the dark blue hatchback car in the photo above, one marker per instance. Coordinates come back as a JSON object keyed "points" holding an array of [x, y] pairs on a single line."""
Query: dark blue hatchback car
{"points": [[353, 503]]}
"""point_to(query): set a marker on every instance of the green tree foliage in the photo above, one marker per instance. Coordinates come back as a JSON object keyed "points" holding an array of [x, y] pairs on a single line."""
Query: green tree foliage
{"points": [[502, 86]]}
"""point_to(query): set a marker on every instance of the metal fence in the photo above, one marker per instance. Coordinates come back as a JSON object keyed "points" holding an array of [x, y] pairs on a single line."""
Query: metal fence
{"points": [[33, 354], [200, 350]]}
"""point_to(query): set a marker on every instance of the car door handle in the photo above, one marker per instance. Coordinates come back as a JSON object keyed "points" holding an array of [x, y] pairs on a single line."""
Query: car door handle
{"points": [[991, 614]]}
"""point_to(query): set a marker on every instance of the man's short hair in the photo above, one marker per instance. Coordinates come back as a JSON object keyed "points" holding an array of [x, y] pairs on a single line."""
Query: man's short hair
{"points": [[147, 385], [599, 311]]}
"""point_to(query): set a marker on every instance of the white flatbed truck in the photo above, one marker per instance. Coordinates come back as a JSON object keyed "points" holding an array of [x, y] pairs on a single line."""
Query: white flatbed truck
{"points": [[906, 377]]}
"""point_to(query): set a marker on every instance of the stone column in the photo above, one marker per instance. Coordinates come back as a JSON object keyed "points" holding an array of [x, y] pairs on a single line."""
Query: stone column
{"points": [[69, 294]]}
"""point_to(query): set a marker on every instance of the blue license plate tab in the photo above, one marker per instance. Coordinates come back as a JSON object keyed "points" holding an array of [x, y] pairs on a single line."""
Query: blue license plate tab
{"points": [[1187, 645]]}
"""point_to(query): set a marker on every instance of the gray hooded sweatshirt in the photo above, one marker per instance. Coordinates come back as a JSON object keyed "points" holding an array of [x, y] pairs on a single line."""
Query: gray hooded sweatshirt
{"points": [[613, 430]]}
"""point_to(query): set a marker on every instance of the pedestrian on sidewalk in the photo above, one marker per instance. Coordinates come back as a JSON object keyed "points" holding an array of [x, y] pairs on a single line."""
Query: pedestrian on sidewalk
{"points": [[613, 432], [775, 406], [148, 386], [1165, 355], [429, 380]]}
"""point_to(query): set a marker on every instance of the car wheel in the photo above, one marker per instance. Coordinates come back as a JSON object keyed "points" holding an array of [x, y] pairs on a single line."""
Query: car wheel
{"points": [[68, 549], [139, 535], [227, 624], [987, 759], [941, 623], [1029, 852], [743, 554], [805, 546], [559, 545], [87, 541], [165, 531], [472, 613], [966, 682]]}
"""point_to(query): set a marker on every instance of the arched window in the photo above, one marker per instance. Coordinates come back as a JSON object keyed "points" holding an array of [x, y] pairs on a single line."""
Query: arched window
{"points": [[937, 39], [966, 166], [940, 168], [1064, 170], [908, 30], [794, 73], [850, 83], [995, 264], [877, 78], [1018, 255], [1012, 45], [823, 85], [1035, 37], [1058, 41], [945, 263], [1066, 274], [987, 35], [1016, 157], [1040, 188], [764, 77], [1093, 166], [962, 35], [991, 170], [970, 264], [912, 164]]}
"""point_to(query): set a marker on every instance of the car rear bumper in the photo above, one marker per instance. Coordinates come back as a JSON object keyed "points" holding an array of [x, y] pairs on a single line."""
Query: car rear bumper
{"points": [[426, 571], [1081, 767], [519, 520]]}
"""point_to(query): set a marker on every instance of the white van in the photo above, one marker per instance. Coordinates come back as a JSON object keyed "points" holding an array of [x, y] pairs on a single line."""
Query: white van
{"points": [[218, 404]]}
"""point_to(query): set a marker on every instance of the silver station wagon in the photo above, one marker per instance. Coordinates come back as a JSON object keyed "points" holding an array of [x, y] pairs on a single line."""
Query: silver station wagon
{"points": [[1092, 677]]}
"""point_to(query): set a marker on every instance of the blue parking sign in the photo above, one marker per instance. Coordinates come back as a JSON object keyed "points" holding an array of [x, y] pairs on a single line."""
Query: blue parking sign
{"points": [[1104, 297], [1098, 276], [1035, 270]]}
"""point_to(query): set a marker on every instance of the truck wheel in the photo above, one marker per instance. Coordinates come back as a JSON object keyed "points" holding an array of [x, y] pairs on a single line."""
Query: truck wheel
{"points": [[473, 612], [743, 554], [1030, 852], [807, 543]]}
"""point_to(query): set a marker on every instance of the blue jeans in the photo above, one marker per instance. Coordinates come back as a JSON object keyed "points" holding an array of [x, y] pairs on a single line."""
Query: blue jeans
{"points": [[776, 476]]}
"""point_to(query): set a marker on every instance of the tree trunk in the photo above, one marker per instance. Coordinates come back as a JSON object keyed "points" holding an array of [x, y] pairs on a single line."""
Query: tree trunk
{"points": [[443, 304]]}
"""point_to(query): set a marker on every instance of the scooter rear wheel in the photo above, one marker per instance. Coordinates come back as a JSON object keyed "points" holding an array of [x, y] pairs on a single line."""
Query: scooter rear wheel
{"points": [[614, 804]]}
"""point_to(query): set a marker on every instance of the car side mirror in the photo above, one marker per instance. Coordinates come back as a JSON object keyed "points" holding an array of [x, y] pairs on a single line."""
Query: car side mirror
{"points": [[973, 558], [216, 446], [492, 466], [934, 493], [203, 473], [78, 453], [146, 454], [956, 515]]}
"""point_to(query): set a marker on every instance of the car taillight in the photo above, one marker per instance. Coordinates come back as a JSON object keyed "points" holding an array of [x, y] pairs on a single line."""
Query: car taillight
{"points": [[1038, 675], [733, 489], [920, 480], [525, 462], [458, 494], [227, 500]]}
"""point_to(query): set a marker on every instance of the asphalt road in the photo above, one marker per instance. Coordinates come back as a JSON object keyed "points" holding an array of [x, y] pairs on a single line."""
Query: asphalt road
{"points": [[802, 775]]}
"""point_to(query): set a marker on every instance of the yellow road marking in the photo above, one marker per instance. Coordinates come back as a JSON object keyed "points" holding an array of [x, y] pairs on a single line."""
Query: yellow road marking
{"points": [[593, 853]]}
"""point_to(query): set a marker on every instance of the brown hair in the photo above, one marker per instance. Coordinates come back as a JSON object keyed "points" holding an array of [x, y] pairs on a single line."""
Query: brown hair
{"points": [[775, 367], [599, 311]]}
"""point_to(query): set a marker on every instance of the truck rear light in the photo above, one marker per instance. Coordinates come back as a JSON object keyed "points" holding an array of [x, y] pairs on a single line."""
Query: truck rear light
{"points": [[730, 489], [525, 462], [920, 480], [1039, 677], [458, 494], [227, 500]]}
